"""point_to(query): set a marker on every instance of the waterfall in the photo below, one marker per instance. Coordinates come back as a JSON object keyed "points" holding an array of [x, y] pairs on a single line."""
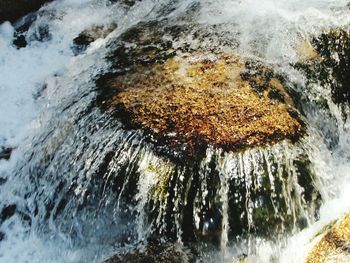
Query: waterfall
{"points": [[80, 185]]}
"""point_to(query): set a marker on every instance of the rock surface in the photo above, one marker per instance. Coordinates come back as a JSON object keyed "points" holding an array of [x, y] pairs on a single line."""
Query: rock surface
{"points": [[194, 100], [203, 114], [13, 10], [5, 153], [328, 60], [85, 38], [218, 142], [334, 245], [152, 254]]}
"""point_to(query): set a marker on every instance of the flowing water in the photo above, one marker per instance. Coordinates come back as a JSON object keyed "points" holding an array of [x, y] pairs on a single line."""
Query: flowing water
{"points": [[78, 187]]}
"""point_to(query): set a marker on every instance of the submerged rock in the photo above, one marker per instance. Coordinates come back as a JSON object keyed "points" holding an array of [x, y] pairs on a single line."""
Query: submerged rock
{"points": [[195, 100], [7, 212], [327, 63], [333, 245], [85, 38], [128, 3], [13, 10], [334, 49], [5, 153]]}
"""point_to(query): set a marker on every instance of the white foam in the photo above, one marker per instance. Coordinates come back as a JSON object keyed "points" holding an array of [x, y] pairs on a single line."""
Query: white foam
{"points": [[267, 28], [270, 28]]}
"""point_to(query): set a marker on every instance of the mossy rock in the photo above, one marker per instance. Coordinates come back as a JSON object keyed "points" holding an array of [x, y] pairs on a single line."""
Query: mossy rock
{"points": [[223, 138], [334, 245], [194, 100]]}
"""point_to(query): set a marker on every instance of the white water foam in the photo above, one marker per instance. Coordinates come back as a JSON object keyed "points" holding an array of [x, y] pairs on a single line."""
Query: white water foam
{"points": [[272, 29], [267, 28], [33, 81]]}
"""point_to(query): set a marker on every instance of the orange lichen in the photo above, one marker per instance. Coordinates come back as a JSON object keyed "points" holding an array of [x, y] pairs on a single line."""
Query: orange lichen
{"points": [[203, 97]]}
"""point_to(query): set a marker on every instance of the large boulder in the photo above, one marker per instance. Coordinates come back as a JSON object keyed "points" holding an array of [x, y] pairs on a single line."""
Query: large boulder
{"points": [[13, 10], [223, 142], [220, 150]]}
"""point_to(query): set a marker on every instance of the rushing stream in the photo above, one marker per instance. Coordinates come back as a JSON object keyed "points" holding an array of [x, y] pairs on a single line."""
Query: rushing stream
{"points": [[79, 187]]}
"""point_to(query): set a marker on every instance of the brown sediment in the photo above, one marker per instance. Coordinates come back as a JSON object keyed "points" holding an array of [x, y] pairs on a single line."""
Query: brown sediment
{"points": [[334, 246], [215, 99]]}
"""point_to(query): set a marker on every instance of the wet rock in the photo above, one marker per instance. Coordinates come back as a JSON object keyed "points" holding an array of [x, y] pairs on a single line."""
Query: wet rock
{"points": [[328, 63], [5, 153], [22, 26], [141, 44], [153, 254], [325, 63], [7, 212], [334, 48], [20, 41], [85, 38], [128, 3], [210, 227], [2, 180], [204, 145], [33, 27], [155, 41], [262, 190], [220, 151], [13, 10], [333, 245], [306, 51], [195, 100]]}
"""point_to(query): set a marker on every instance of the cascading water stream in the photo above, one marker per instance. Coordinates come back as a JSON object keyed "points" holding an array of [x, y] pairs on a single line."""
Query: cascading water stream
{"points": [[79, 187]]}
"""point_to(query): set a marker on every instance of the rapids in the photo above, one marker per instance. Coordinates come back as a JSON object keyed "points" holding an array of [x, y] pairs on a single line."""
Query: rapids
{"points": [[69, 191]]}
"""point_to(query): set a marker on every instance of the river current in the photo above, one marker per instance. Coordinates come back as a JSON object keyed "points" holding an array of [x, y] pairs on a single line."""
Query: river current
{"points": [[54, 206]]}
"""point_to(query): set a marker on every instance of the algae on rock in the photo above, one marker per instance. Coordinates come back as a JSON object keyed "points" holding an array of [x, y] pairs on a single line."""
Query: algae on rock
{"points": [[193, 100]]}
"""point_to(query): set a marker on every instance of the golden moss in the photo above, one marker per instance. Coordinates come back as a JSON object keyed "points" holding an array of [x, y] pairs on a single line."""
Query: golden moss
{"points": [[334, 246], [194, 98]]}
